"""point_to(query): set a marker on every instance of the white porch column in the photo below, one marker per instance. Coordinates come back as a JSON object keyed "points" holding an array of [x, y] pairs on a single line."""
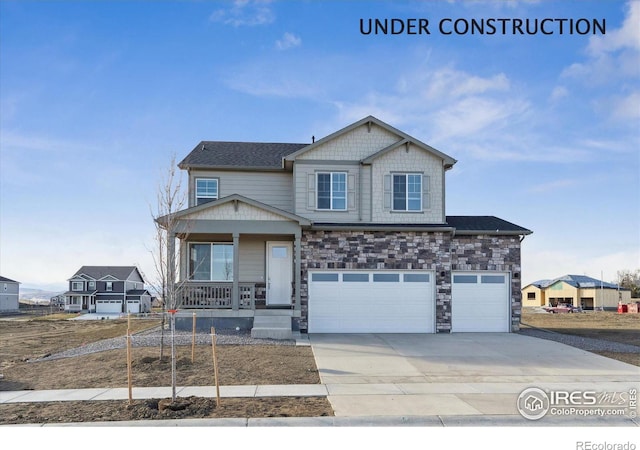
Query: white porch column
{"points": [[297, 277], [235, 290]]}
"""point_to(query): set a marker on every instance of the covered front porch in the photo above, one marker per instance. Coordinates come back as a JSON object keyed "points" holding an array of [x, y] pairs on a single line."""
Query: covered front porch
{"points": [[238, 260]]}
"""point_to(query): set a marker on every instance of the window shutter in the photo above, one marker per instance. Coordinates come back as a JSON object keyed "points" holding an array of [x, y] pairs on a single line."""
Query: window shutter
{"points": [[311, 191], [351, 192], [387, 192], [426, 193]]}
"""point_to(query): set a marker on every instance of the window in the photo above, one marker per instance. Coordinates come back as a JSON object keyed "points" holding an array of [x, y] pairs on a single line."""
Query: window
{"points": [[332, 191], [466, 279], [531, 295], [492, 279], [407, 192], [211, 262], [324, 277], [77, 286], [92, 284], [109, 286], [416, 277], [206, 190], [386, 277], [355, 277]]}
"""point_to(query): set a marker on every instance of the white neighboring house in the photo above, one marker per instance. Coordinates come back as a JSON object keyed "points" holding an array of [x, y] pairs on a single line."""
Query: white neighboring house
{"points": [[9, 295], [107, 289]]}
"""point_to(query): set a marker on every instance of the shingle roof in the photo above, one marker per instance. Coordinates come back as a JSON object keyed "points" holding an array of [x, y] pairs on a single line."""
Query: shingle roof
{"points": [[97, 272], [238, 154], [577, 281], [488, 224], [7, 280], [542, 283], [462, 225], [583, 281], [137, 292]]}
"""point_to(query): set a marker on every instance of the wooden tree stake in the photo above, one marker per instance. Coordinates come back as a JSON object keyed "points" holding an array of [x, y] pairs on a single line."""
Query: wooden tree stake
{"points": [[193, 340], [129, 377], [215, 364]]}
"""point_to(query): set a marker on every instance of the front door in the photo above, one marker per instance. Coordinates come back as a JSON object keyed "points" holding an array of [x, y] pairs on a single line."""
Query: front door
{"points": [[279, 273]]}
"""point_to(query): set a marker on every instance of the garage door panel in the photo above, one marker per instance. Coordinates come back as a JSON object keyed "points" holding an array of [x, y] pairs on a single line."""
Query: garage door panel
{"points": [[480, 302], [371, 302], [108, 306]]}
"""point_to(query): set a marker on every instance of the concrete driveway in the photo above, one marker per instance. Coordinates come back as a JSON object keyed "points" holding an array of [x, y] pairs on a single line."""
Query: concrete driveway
{"points": [[454, 374]]}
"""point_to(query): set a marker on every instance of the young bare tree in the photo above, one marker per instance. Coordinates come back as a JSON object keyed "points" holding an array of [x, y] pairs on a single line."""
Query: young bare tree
{"points": [[629, 279], [170, 199]]}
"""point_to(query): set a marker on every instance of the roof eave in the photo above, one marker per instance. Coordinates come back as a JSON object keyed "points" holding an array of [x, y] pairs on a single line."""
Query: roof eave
{"points": [[231, 168], [495, 232]]}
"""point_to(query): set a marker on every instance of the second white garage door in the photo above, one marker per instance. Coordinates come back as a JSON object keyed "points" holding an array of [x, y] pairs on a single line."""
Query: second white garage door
{"points": [[371, 302], [480, 302]]}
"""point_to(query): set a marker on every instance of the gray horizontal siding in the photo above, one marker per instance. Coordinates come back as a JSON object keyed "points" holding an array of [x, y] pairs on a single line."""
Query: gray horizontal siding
{"points": [[271, 188]]}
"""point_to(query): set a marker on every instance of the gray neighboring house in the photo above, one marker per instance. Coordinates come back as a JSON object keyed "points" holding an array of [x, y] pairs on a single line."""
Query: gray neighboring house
{"points": [[347, 234], [9, 295], [107, 290]]}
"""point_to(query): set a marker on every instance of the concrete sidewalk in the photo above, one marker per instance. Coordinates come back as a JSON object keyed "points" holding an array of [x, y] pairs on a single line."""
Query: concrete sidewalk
{"points": [[437, 405]]}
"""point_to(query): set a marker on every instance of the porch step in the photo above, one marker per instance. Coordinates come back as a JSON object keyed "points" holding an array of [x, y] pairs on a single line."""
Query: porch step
{"points": [[272, 327]]}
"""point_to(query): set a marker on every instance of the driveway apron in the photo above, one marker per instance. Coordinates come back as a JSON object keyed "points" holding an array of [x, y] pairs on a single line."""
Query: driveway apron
{"points": [[454, 374]]}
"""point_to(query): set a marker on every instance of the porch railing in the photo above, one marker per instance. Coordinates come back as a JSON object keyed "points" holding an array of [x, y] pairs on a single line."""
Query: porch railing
{"points": [[212, 295]]}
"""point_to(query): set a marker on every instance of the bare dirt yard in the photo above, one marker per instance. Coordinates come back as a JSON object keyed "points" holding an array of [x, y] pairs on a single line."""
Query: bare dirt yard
{"points": [[606, 325], [23, 341]]}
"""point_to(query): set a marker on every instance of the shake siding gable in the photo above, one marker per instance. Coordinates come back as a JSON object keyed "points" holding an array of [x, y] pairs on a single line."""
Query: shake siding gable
{"points": [[355, 145], [239, 211]]}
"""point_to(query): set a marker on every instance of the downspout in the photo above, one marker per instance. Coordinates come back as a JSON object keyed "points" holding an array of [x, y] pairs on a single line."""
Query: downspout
{"points": [[360, 192]]}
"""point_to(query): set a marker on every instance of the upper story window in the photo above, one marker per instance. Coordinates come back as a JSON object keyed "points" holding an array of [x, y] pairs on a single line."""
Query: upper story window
{"points": [[109, 286], [77, 286], [331, 189], [206, 190], [92, 284], [407, 192]]}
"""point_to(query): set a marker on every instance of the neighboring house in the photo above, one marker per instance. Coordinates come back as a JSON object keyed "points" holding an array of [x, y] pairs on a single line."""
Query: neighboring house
{"points": [[107, 289], [9, 295], [577, 290], [346, 234]]}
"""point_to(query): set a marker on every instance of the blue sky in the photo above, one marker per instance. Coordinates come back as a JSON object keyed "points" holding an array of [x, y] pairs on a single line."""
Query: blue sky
{"points": [[95, 98]]}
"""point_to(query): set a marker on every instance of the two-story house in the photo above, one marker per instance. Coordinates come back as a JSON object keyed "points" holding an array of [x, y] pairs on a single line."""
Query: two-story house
{"points": [[345, 234], [9, 295], [107, 290]]}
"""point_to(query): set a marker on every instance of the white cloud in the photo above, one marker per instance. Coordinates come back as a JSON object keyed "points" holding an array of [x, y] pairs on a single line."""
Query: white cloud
{"points": [[552, 186], [627, 107], [245, 13], [547, 264], [289, 40], [625, 37], [614, 56], [558, 93]]}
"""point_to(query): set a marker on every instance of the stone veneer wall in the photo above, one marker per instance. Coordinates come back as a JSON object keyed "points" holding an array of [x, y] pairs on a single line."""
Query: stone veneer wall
{"points": [[437, 251]]}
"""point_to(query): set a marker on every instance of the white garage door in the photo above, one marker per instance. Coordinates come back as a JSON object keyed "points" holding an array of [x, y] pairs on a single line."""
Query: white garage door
{"points": [[371, 302], [108, 306], [133, 306], [480, 302]]}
